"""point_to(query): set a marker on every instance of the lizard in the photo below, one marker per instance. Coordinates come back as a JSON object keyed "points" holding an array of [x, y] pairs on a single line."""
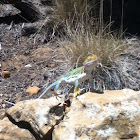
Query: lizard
{"points": [[75, 76]]}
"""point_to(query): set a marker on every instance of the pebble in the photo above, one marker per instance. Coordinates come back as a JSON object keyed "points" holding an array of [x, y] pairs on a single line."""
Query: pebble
{"points": [[5, 95], [5, 74], [3, 105], [32, 90], [28, 66]]}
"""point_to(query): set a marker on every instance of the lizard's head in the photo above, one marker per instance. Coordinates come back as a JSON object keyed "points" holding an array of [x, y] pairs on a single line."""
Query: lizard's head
{"points": [[91, 61]]}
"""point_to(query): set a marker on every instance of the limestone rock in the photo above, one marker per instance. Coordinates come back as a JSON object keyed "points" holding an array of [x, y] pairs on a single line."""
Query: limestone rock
{"points": [[10, 131], [113, 115], [5, 74], [32, 90], [41, 114], [2, 114]]}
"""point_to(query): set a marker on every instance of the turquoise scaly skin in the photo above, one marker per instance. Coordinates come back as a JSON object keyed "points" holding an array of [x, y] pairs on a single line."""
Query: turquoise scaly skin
{"points": [[70, 78]]}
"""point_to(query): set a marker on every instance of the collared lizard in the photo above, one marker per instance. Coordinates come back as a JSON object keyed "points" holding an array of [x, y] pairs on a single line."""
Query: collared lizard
{"points": [[75, 76]]}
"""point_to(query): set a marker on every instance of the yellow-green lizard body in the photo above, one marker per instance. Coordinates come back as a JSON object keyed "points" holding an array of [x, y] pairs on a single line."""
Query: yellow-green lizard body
{"points": [[76, 76]]}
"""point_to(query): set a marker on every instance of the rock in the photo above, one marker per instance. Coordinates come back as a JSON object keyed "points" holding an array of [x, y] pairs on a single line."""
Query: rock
{"points": [[5, 74], [10, 131], [41, 114], [2, 114], [113, 115], [28, 66], [32, 90], [3, 105], [33, 10], [45, 75], [5, 95]]}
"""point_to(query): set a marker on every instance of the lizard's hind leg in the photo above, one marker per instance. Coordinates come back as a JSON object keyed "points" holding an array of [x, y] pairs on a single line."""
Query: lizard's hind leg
{"points": [[56, 89]]}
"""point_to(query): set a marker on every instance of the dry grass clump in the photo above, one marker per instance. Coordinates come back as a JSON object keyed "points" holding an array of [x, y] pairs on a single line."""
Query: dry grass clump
{"points": [[74, 11], [86, 36], [82, 43], [108, 46], [67, 9]]}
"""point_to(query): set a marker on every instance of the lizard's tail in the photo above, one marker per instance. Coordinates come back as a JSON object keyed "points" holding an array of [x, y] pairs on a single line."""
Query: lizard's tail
{"points": [[49, 87]]}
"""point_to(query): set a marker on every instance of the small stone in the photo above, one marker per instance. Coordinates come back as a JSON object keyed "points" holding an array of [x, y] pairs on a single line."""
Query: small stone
{"points": [[28, 66], [3, 105], [32, 90], [6, 95], [5, 74], [45, 76]]}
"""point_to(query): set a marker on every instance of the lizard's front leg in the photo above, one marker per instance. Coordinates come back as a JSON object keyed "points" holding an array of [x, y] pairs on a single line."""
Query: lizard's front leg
{"points": [[76, 89]]}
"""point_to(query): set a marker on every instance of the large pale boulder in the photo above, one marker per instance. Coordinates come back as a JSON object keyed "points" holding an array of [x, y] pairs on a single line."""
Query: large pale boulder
{"points": [[113, 115], [40, 114], [10, 131]]}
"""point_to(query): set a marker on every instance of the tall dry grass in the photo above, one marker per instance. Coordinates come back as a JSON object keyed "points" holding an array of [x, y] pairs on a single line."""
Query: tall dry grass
{"points": [[82, 43], [86, 34], [75, 11]]}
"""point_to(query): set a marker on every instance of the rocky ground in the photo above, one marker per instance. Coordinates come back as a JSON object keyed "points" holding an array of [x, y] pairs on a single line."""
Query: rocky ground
{"points": [[32, 57], [27, 58], [113, 115]]}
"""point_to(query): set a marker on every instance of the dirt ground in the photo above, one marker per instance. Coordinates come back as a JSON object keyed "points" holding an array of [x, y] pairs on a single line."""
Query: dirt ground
{"points": [[27, 58], [27, 63]]}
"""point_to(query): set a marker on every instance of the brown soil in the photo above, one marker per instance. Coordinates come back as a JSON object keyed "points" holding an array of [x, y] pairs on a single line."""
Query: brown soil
{"points": [[27, 59]]}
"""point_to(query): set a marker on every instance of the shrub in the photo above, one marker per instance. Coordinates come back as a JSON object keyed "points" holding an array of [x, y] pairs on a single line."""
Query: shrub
{"points": [[83, 42]]}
